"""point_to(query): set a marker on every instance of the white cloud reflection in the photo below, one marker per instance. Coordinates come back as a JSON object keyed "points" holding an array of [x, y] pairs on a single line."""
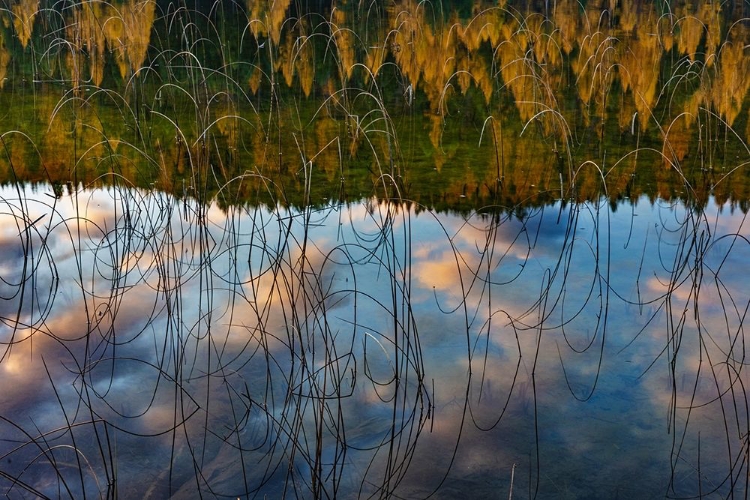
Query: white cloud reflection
{"points": [[257, 329]]}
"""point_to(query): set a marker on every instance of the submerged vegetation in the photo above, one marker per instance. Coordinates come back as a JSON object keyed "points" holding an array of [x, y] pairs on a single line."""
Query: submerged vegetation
{"points": [[344, 249]]}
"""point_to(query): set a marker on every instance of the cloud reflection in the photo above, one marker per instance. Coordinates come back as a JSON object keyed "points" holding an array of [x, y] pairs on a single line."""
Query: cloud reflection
{"points": [[386, 349]]}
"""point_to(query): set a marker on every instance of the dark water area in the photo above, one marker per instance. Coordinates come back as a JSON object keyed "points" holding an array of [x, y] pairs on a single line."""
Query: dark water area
{"points": [[449, 106], [400, 250]]}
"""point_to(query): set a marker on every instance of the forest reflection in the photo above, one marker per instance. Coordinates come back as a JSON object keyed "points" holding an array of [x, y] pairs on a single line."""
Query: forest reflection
{"points": [[485, 104]]}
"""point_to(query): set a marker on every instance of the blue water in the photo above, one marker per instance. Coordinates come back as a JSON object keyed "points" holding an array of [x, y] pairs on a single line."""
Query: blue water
{"points": [[161, 348]]}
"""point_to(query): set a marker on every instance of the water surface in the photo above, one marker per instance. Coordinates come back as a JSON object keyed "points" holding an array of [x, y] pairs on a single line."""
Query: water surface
{"points": [[161, 347], [344, 249]]}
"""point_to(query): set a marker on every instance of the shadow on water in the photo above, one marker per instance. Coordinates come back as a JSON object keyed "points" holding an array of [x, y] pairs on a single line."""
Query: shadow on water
{"points": [[158, 347]]}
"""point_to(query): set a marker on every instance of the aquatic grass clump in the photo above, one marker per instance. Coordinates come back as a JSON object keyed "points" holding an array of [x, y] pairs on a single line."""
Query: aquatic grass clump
{"points": [[231, 325], [175, 348], [233, 273]]}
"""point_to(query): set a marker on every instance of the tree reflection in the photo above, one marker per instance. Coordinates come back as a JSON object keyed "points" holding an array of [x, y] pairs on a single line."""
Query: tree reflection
{"points": [[566, 88]]}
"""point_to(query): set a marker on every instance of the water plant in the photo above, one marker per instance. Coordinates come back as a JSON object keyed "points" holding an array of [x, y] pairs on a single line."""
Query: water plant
{"points": [[256, 249]]}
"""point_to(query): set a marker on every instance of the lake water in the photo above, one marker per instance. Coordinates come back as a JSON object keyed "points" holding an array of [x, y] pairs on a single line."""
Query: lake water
{"points": [[576, 350], [348, 249]]}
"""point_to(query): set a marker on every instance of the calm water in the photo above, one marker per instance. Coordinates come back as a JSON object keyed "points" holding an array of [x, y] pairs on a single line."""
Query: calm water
{"points": [[345, 249], [572, 351]]}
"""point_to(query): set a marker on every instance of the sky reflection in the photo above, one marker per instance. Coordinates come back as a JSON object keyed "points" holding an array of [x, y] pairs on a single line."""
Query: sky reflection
{"points": [[365, 349]]}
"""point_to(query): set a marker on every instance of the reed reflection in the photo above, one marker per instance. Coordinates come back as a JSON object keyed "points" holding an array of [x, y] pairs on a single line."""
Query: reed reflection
{"points": [[154, 344]]}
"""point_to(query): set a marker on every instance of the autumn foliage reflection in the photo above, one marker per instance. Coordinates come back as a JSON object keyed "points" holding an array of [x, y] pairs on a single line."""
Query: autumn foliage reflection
{"points": [[614, 98]]}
